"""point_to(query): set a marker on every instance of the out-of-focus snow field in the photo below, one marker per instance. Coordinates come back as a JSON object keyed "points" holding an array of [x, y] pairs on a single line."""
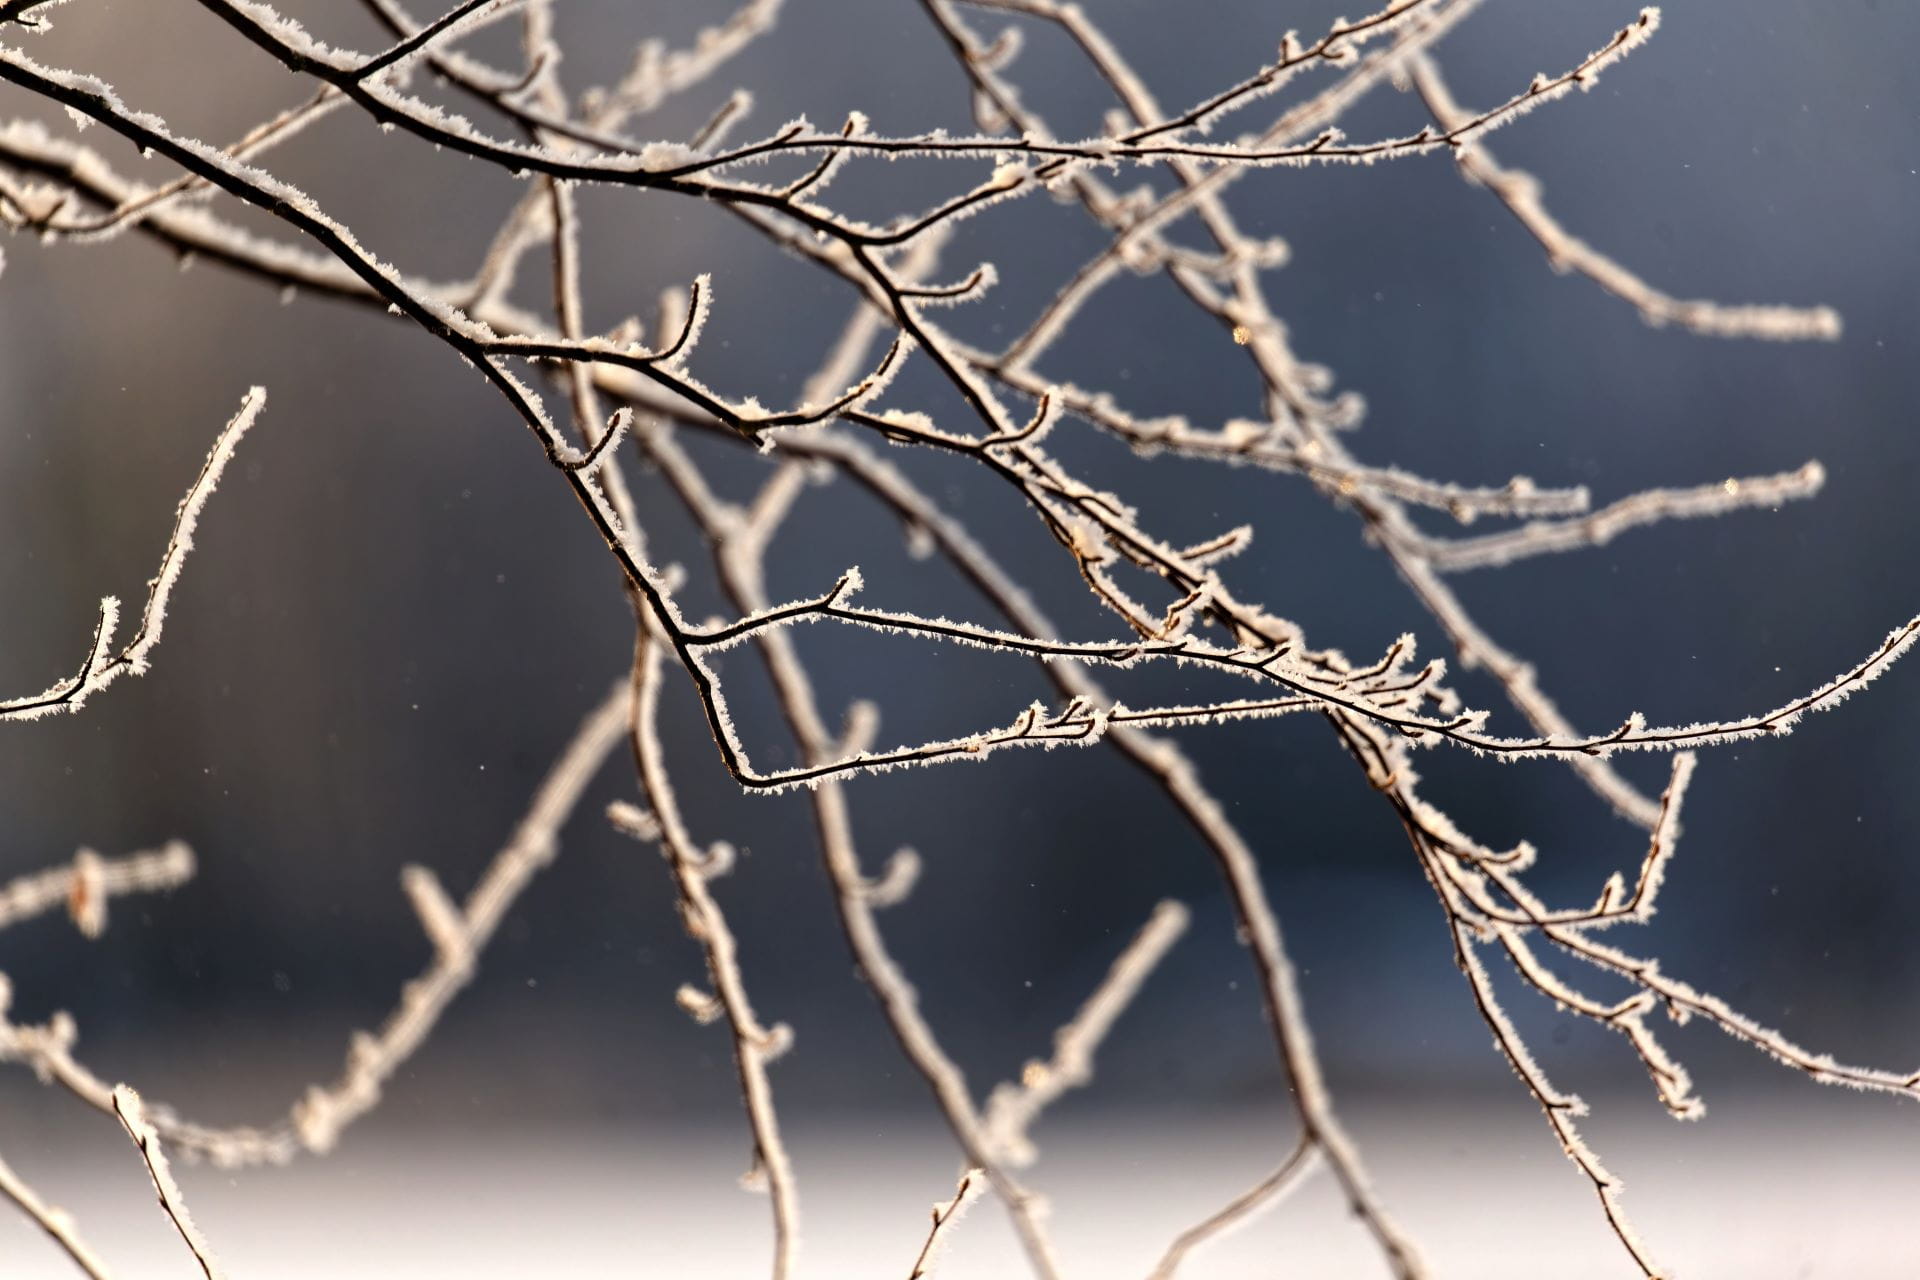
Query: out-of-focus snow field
{"points": [[1785, 1185]]}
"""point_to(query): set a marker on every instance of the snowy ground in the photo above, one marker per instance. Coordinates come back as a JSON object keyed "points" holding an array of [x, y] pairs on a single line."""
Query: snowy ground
{"points": [[1794, 1185]]}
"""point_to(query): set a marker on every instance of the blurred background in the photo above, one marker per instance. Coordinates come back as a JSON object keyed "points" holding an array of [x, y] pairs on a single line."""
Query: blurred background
{"points": [[395, 618]]}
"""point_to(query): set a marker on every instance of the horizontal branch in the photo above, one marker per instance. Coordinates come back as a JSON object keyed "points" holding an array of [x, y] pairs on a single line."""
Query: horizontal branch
{"points": [[1372, 693], [666, 167], [1596, 529], [84, 887]]}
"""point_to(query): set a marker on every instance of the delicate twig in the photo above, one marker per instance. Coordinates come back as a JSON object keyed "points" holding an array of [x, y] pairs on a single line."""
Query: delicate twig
{"points": [[945, 1214], [1520, 192], [1012, 1108], [102, 666], [133, 1116], [459, 935], [1262, 1195], [754, 1045], [741, 576], [1452, 555]]}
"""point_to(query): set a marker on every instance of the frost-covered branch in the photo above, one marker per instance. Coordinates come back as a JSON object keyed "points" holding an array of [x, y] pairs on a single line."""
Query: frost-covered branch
{"points": [[103, 665], [1293, 387], [664, 167], [1376, 695]]}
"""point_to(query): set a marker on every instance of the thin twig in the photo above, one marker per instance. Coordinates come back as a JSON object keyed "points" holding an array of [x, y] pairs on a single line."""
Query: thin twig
{"points": [[133, 1117]]}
